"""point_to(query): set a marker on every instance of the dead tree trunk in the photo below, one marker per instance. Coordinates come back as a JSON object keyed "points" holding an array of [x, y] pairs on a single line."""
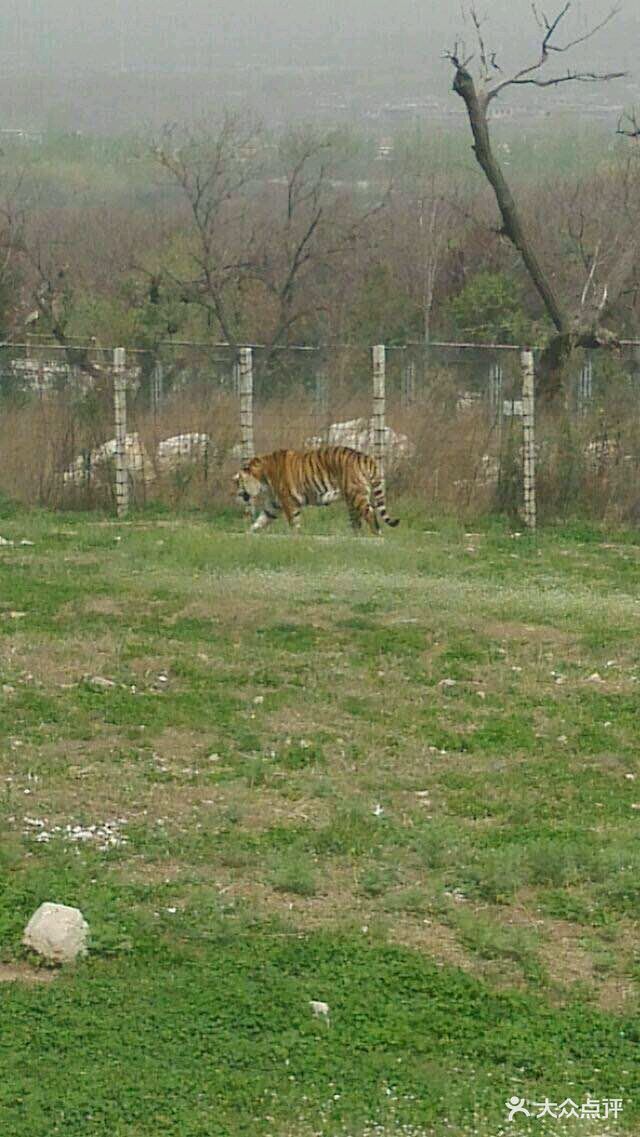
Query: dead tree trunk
{"points": [[512, 226], [477, 96]]}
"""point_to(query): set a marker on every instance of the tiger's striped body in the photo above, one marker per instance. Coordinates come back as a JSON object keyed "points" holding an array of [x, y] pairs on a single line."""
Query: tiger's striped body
{"points": [[292, 479]]}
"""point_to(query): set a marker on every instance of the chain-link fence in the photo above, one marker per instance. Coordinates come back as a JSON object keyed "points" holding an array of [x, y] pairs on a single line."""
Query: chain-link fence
{"points": [[452, 432]]}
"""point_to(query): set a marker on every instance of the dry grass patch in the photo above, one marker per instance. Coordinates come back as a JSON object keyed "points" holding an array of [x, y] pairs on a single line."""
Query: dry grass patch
{"points": [[57, 662], [24, 973]]}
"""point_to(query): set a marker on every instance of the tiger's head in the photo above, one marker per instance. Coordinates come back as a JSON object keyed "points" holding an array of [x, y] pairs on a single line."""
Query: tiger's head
{"points": [[247, 484]]}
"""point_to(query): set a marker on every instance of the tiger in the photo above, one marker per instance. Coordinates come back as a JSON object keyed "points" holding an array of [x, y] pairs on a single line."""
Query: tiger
{"points": [[294, 478]]}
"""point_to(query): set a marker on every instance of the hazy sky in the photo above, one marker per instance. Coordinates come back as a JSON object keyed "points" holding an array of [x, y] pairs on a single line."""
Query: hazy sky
{"points": [[200, 33]]}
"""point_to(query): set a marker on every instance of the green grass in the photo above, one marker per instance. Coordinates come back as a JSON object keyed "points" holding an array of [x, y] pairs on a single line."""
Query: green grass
{"points": [[291, 805]]}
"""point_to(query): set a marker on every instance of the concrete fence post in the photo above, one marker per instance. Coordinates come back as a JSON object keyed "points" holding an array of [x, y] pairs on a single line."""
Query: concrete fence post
{"points": [[120, 413], [379, 406], [245, 376], [529, 438]]}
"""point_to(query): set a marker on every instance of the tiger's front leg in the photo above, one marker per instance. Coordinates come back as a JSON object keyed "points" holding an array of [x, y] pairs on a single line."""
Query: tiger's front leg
{"points": [[268, 515]]}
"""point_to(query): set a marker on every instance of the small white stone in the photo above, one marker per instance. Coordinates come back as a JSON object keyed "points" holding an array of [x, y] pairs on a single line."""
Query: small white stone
{"points": [[57, 932], [447, 683], [99, 683]]}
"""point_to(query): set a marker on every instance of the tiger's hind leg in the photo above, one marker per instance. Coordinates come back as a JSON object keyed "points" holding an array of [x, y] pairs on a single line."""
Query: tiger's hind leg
{"points": [[360, 510], [354, 517], [291, 509]]}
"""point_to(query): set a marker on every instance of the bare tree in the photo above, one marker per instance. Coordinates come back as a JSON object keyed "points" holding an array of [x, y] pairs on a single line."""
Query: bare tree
{"points": [[12, 220], [212, 172], [629, 124], [263, 223], [297, 234], [435, 212], [478, 93], [313, 230], [52, 285]]}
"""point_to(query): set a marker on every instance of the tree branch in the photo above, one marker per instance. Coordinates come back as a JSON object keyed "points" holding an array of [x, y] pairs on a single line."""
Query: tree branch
{"points": [[629, 125], [526, 76]]}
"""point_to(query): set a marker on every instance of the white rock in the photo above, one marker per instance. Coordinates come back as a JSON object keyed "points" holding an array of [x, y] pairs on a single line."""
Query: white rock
{"points": [[57, 932], [95, 465], [359, 434], [183, 448], [319, 1009], [99, 683]]}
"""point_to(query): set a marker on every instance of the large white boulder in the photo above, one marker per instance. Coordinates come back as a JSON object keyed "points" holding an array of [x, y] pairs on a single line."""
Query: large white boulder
{"points": [[183, 448], [97, 465], [57, 932], [359, 434]]}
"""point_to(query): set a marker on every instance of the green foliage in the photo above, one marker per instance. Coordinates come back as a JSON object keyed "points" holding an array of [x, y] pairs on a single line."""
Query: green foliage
{"points": [[407, 1044], [295, 872], [489, 310], [382, 311]]}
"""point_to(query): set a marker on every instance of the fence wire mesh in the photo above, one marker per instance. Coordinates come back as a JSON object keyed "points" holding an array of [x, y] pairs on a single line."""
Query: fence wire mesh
{"points": [[453, 424]]}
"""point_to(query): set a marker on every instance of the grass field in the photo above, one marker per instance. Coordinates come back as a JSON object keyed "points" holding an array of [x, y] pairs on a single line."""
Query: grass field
{"points": [[397, 776]]}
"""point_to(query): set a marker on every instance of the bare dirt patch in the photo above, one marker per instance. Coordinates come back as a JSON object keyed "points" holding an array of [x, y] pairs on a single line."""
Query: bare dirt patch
{"points": [[55, 663], [433, 939], [177, 745], [618, 995], [102, 606], [23, 973], [526, 633]]}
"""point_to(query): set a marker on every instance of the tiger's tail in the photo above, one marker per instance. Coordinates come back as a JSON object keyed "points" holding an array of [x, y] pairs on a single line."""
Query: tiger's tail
{"points": [[378, 501]]}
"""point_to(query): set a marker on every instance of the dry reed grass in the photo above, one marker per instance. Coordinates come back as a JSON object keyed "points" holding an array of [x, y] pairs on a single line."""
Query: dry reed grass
{"points": [[464, 463]]}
